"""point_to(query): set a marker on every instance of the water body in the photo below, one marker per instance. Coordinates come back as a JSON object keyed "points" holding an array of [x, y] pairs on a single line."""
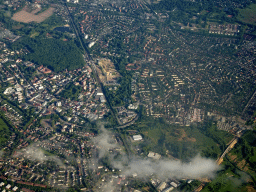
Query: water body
{"points": [[62, 29]]}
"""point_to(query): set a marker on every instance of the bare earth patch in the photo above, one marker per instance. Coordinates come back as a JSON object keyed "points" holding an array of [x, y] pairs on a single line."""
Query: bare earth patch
{"points": [[250, 189], [107, 71], [232, 157], [46, 123], [246, 167], [183, 134], [185, 137], [26, 17], [241, 164], [191, 139]]}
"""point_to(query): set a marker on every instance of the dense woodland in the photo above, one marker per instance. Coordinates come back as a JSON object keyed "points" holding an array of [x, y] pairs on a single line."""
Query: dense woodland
{"points": [[182, 11], [123, 94], [246, 149], [56, 54], [203, 4], [4, 133]]}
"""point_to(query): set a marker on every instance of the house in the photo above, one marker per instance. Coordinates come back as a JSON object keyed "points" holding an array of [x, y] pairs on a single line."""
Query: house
{"points": [[8, 186]]}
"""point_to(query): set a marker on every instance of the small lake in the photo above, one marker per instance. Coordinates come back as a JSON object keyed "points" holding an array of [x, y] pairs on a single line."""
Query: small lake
{"points": [[62, 29]]}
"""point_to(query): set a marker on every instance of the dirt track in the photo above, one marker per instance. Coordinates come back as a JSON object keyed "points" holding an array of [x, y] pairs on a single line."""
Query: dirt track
{"points": [[26, 17]]}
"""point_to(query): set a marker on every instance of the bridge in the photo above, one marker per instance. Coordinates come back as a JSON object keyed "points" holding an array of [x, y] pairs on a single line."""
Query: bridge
{"points": [[231, 144]]}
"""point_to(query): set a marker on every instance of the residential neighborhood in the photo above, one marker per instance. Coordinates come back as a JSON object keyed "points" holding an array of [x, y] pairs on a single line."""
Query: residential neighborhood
{"points": [[126, 96]]}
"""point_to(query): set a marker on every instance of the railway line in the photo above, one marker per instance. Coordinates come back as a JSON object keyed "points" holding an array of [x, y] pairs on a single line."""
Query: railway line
{"points": [[91, 63]]}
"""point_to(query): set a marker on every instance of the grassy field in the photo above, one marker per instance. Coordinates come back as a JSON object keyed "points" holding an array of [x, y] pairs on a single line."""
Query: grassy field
{"points": [[248, 15], [179, 142], [34, 34]]}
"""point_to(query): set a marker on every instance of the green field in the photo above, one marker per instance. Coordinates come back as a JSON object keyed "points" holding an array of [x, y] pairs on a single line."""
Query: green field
{"points": [[179, 141], [34, 34], [227, 181], [248, 15]]}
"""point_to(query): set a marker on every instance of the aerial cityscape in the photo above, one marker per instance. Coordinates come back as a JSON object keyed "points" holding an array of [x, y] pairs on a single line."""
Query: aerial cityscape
{"points": [[128, 96]]}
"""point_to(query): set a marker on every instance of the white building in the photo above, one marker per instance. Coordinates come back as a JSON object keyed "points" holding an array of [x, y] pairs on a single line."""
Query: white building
{"points": [[174, 184], [91, 44], [18, 88], [133, 106], [68, 118], [58, 104], [161, 186], [137, 137], [154, 155], [9, 90], [168, 189], [99, 93], [58, 110], [8, 186], [103, 99]]}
